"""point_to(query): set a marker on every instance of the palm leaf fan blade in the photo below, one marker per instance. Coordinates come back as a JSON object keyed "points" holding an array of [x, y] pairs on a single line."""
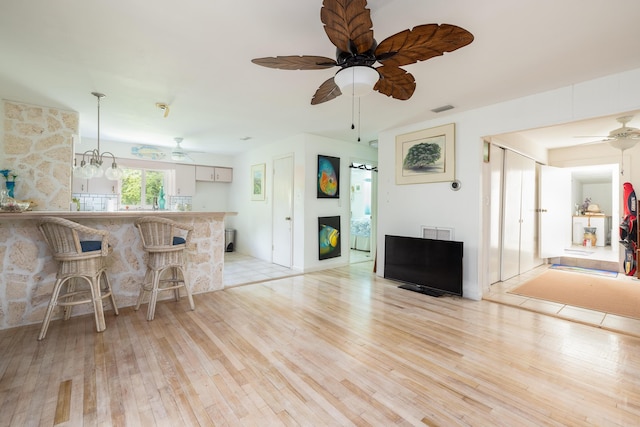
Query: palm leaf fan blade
{"points": [[395, 82], [326, 92], [296, 62], [348, 24], [421, 43]]}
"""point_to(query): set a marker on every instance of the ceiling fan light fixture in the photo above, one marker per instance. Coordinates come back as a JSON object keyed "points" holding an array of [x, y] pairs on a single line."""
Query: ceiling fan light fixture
{"points": [[623, 143], [357, 80], [178, 156]]}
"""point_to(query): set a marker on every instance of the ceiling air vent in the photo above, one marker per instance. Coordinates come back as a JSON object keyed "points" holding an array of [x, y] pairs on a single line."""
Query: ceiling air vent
{"points": [[443, 108]]}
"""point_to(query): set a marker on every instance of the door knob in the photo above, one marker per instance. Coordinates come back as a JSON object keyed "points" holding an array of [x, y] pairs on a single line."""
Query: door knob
{"points": [[287, 218]]}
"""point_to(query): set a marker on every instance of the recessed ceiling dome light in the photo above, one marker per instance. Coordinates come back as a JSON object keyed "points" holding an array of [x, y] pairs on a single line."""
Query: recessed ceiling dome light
{"points": [[164, 107]]}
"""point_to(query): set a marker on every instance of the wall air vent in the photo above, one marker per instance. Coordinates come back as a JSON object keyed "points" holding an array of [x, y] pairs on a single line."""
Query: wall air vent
{"points": [[437, 233]]}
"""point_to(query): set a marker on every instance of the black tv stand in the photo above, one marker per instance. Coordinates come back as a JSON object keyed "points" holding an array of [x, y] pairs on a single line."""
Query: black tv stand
{"points": [[423, 290]]}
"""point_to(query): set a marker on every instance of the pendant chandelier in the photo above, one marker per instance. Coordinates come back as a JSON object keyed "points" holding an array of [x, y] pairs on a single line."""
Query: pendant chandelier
{"points": [[91, 164]]}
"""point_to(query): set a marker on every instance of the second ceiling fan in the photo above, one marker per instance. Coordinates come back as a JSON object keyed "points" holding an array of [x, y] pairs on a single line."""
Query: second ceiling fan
{"points": [[348, 26]]}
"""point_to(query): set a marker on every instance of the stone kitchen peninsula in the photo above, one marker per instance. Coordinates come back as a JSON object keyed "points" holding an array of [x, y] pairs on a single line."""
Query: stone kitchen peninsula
{"points": [[28, 270]]}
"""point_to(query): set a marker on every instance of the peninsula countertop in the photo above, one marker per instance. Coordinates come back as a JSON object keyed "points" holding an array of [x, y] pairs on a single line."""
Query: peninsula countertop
{"points": [[130, 213], [27, 270]]}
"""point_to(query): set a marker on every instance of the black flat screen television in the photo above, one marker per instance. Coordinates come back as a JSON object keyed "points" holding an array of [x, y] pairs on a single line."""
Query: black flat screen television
{"points": [[429, 266]]}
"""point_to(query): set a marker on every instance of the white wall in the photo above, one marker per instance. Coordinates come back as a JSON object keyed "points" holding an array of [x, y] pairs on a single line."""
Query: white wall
{"points": [[253, 223], [599, 194], [347, 152], [212, 196], [404, 208]]}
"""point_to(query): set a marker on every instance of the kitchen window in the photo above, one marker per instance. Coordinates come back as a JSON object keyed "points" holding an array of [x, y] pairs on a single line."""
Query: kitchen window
{"points": [[139, 186]]}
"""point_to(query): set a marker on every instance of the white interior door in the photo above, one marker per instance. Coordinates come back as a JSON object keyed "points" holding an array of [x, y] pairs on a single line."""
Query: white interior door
{"points": [[518, 219], [495, 233], [283, 211], [555, 211], [528, 217], [511, 216]]}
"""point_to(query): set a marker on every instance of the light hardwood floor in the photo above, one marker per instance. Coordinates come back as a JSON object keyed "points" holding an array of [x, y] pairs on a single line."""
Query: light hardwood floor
{"points": [[337, 347]]}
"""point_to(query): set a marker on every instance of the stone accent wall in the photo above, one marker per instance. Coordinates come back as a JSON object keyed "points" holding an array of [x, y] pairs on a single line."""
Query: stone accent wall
{"points": [[29, 272], [38, 147]]}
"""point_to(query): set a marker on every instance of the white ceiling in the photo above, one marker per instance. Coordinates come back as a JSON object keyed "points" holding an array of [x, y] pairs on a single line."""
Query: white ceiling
{"points": [[196, 57]]}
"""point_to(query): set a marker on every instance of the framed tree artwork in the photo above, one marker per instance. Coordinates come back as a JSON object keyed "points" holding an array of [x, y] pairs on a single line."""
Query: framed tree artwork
{"points": [[426, 156]]}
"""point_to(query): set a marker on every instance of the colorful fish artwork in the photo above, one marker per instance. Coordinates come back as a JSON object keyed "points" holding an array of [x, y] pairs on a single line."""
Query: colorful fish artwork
{"points": [[148, 152], [328, 177], [328, 239]]}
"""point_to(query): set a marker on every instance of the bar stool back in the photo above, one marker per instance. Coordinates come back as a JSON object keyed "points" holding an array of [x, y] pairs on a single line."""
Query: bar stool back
{"points": [[164, 245], [80, 262]]}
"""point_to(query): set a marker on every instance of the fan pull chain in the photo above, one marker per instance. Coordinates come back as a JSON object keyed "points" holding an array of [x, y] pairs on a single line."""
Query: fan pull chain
{"points": [[353, 126], [358, 119], [353, 93], [353, 96]]}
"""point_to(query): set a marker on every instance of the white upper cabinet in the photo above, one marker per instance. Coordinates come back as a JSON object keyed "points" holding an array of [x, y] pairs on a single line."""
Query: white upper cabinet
{"points": [[184, 180], [223, 174], [214, 174], [205, 173]]}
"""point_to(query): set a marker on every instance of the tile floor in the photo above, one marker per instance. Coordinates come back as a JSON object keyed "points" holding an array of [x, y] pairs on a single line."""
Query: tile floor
{"points": [[499, 293], [359, 256], [240, 269]]}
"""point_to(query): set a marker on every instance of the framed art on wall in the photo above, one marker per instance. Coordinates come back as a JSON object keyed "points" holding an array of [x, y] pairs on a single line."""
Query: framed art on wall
{"points": [[257, 181], [486, 151], [328, 177], [426, 156], [329, 237]]}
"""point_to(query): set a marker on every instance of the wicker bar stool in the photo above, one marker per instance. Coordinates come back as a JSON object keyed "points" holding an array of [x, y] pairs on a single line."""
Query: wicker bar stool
{"points": [[163, 241], [80, 262]]}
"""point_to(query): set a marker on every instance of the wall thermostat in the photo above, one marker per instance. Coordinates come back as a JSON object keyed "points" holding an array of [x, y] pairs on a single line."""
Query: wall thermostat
{"points": [[455, 185]]}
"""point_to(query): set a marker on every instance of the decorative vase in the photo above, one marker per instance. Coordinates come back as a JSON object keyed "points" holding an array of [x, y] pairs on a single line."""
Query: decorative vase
{"points": [[161, 200], [10, 187]]}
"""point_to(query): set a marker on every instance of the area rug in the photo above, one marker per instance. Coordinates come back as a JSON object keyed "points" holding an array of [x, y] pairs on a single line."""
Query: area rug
{"points": [[579, 251], [614, 296], [584, 270]]}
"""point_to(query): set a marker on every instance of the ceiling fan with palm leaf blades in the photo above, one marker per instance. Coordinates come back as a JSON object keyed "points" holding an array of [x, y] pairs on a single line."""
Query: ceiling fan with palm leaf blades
{"points": [[348, 26]]}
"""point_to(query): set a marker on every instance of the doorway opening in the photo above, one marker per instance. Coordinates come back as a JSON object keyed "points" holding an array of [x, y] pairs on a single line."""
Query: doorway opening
{"points": [[587, 198], [595, 192], [362, 206]]}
